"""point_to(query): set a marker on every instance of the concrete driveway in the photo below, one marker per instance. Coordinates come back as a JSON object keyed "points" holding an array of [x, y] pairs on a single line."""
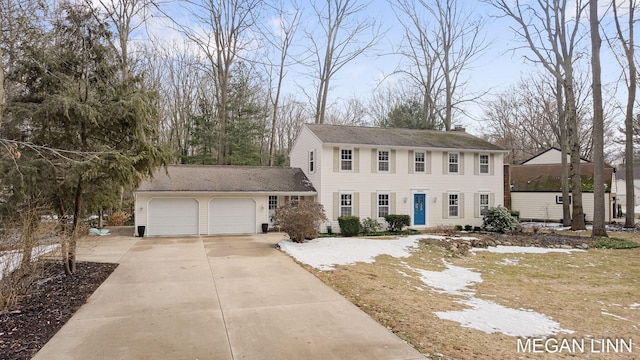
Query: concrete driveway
{"points": [[232, 297]]}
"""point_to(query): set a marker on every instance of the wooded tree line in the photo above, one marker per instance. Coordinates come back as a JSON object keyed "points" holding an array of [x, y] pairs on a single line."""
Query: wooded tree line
{"points": [[96, 94]]}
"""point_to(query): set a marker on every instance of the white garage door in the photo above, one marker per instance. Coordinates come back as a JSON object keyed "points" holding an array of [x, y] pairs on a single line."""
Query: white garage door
{"points": [[232, 216], [173, 216]]}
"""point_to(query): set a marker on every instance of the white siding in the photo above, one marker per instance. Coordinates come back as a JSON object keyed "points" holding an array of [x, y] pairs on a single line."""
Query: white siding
{"points": [[299, 156], [542, 206], [404, 184]]}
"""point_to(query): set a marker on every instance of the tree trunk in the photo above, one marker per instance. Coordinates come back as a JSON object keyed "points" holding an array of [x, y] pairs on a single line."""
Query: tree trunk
{"points": [[564, 173], [599, 227], [70, 261], [2, 92], [577, 222]]}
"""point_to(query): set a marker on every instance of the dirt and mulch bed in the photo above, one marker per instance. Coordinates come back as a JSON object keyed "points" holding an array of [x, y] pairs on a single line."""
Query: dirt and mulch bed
{"points": [[50, 302], [592, 294]]}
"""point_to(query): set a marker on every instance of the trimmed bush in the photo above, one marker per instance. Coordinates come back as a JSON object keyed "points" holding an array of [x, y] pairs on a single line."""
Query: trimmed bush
{"points": [[300, 220], [370, 225], [349, 225], [499, 219], [397, 222], [468, 228]]}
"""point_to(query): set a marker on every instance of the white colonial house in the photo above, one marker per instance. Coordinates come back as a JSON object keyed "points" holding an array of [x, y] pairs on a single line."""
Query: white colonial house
{"points": [[438, 178], [535, 189]]}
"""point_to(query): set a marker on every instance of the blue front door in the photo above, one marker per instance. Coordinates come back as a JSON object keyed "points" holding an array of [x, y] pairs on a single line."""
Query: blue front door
{"points": [[419, 209]]}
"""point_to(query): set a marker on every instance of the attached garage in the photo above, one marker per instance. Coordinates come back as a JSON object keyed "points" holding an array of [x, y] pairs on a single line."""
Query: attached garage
{"points": [[232, 216], [209, 200], [172, 216]]}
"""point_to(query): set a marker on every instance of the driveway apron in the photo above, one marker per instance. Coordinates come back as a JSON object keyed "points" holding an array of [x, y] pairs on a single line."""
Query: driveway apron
{"points": [[223, 297]]}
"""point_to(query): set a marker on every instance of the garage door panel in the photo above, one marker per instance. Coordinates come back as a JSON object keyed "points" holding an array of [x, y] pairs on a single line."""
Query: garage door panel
{"points": [[173, 216], [232, 216]]}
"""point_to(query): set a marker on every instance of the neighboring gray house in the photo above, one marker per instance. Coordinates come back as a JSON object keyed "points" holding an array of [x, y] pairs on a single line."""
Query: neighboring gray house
{"points": [[202, 200], [535, 190]]}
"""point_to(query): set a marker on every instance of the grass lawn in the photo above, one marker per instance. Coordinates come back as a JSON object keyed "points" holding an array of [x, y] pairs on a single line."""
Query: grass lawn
{"points": [[595, 294]]}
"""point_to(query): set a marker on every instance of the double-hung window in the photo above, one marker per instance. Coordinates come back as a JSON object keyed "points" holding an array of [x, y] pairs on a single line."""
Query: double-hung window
{"points": [[484, 202], [383, 205], [454, 204], [346, 204], [484, 164], [453, 163], [346, 159], [419, 162], [383, 160]]}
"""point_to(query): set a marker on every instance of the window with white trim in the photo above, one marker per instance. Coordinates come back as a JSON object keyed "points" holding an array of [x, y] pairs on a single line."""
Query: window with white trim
{"points": [[383, 160], [383, 204], [273, 202], [294, 200], [419, 162], [453, 163], [312, 161], [454, 204], [483, 201], [484, 164], [346, 159], [346, 204]]}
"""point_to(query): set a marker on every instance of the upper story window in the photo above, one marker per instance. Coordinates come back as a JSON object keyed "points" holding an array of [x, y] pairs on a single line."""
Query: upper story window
{"points": [[346, 204], [484, 164], [383, 160], [383, 205], [454, 163], [312, 161], [346, 159], [273, 202], [419, 161]]}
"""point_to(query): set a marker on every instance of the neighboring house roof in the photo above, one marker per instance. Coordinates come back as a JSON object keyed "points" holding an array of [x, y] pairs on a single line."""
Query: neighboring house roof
{"points": [[546, 178], [621, 174], [376, 136], [228, 179]]}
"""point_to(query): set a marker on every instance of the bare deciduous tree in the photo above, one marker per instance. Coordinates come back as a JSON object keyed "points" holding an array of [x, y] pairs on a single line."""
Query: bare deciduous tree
{"points": [[344, 37], [125, 16], [598, 119], [551, 32], [443, 40], [281, 39], [222, 32]]}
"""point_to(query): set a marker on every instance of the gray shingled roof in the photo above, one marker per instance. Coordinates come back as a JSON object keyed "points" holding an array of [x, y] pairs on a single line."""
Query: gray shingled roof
{"points": [[546, 178], [358, 135], [228, 179]]}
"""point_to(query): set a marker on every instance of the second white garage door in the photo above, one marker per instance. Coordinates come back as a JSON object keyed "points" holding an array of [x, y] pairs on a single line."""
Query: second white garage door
{"points": [[232, 216]]}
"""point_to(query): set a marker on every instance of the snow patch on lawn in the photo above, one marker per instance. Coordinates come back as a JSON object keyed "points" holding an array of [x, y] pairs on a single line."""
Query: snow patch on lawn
{"points": [[454, 280], [325, 253], [492, 318], [10, 260], [487, 316], [523, 250]]}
